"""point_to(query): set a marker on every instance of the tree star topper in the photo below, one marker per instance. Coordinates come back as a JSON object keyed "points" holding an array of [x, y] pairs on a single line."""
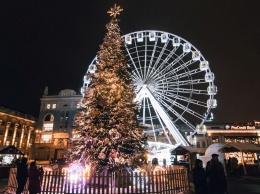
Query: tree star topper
{"points": [[115, 11]]}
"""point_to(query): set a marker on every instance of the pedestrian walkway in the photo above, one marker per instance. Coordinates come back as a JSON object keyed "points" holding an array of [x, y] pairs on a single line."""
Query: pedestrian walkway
{"points": [[241, 185], [3, 185]]}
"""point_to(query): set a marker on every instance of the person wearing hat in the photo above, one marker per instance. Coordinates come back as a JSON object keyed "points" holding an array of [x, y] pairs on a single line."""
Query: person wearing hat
{"points": [[217, 183], [208, 163], [199, 178]]}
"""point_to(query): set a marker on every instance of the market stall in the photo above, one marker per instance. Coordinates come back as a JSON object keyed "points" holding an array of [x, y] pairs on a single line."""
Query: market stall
{"points": [[8, 157], [184, 155], [246, 154]]}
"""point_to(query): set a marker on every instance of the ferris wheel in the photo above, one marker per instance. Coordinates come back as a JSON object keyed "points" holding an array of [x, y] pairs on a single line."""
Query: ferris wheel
{"points": [[172, 80]]}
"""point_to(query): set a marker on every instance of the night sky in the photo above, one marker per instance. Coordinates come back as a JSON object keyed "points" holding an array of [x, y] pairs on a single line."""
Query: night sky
{"points": [[51, 43]]}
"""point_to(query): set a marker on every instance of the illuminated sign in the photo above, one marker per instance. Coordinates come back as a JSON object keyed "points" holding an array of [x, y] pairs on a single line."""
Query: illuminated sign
{"points": [[242, 127]]}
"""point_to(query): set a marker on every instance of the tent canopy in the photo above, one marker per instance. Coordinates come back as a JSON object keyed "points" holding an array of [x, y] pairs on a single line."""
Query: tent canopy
{"points": [[11, 150], [239, 147], [182, 150]]}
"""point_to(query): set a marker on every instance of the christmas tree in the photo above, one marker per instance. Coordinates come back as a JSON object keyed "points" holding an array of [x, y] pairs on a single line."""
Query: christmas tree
{"points": [[110, 135]]}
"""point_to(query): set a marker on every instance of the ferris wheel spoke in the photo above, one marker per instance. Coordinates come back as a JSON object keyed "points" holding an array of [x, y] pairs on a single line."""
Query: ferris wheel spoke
{"points": [[182, 98], [187, 82], [162, 124], [135, 77], [152, 57], [169, 67], [162, 64], [159, 57], [188, 91], [182, 107], [185, 74], [150, 113], [179, 116], [145, 57], [175, 70], [166, 118], [133, 63], [137, 53], [175, 103]]}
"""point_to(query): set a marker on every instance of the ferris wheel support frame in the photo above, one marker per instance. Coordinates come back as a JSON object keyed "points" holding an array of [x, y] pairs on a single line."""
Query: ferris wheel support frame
{"points": [[144, 92]]}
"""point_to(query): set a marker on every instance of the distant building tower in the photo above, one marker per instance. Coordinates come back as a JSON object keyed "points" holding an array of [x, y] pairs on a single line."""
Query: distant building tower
{"points": [[55, 124]]}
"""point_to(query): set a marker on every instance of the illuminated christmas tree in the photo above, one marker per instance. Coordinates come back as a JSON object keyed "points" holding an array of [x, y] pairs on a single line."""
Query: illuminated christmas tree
{"points": [[110, 135]]}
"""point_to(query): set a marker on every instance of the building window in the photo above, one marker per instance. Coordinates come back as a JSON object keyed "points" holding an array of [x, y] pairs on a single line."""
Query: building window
{"points": [[78, 105], [7, 143], [18, 134], [15, 144], [64, 120], [198, 144], [215, 139], [46, 138], [48, 106], [49, 117], [1, 131], [204, 144], [48, 127], [54, 106]]}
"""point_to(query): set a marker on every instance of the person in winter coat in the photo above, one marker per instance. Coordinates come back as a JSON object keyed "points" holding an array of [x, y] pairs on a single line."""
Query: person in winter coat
{"points": [[199, 178], [22, 175], [217, 180], [35, 177]]}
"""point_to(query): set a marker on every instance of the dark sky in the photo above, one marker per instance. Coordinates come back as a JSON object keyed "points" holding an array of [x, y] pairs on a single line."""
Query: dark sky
{"points": [[50, 43]]}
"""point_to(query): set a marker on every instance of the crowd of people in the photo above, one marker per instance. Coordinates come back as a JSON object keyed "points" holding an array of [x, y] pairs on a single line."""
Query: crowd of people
{"points": [[212, 180], [34, 175]]}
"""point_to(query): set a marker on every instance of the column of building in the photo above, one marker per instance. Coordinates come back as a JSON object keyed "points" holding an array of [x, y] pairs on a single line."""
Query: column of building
{"points": [[6, 132], [15, 132]]}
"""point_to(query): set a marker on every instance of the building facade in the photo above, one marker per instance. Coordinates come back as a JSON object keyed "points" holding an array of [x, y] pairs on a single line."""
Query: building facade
{"points": [[17, 129], [225, 133], [55, 124]]}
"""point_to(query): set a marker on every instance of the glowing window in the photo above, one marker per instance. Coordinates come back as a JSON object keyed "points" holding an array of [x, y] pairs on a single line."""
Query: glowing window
{"points": [[7, 143], [76, 135], [47, 126], [215, 139], [54, 106], [46, 138], [48, 106], [78, 105]]}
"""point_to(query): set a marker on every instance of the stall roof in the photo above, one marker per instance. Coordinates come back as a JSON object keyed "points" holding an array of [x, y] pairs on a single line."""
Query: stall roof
{"points": [[239, 147], [10, 150], [181, 150]]}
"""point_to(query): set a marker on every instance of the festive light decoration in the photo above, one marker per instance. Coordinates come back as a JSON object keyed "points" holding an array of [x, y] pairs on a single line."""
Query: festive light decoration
{"points": [[107, 122], [115, 11], [76, 173]]}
